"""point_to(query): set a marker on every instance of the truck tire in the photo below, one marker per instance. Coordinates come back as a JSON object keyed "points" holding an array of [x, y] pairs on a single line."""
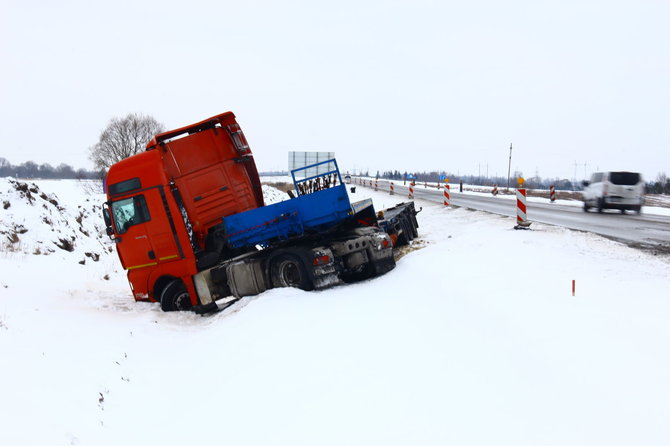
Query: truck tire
{"points": [[407, 234], [289, 271], [175, 297]]}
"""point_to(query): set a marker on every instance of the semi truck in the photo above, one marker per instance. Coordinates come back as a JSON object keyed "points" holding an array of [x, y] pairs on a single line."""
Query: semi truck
{"points": [[190, 226]]}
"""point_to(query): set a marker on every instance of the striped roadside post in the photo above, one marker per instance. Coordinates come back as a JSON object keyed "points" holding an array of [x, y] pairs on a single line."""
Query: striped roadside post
{"points": [[552, 193], [376, 183], [521, 217], [447, 190], [392, 191], [495, 190], [411, 190]]}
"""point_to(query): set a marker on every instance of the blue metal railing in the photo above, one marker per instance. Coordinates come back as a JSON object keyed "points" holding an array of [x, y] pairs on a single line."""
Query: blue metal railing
{"points": [[335, 171]]}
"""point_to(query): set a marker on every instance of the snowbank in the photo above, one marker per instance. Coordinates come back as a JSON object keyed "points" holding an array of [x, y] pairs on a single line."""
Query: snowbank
{"points": [[474, 339], [35, 222]]}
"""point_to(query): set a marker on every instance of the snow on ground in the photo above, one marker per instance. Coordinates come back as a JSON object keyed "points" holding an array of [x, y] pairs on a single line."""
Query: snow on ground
{"points": [[272, 195], [473, 339]]}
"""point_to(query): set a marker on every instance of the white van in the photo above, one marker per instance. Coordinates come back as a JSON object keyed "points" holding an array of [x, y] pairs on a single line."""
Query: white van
{"points": [[614, 190]]}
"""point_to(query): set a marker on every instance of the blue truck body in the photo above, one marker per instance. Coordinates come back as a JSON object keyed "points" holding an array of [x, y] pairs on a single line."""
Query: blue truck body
{"points": [[308, 213]]}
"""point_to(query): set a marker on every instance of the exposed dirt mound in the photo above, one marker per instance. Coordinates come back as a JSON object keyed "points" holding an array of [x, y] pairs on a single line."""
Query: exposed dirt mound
{"points": [[35, 222]]}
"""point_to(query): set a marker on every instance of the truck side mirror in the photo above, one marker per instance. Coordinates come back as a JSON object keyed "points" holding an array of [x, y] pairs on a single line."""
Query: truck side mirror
{"points": [[107, 217], [108, 221]]}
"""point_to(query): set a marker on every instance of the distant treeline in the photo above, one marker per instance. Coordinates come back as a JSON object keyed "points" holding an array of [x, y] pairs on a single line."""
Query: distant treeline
{"points": [[432, 177], [274, 173], [32, 170], [660, 186]]}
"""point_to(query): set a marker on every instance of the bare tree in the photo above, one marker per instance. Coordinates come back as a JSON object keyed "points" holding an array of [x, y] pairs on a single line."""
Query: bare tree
{"points": [[122, 138]]}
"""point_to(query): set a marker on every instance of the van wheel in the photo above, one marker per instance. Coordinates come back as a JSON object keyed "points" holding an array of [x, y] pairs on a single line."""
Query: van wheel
{"points": [[586, 207], [638, 210], [600, 205], [175, 297], [288, 271]]}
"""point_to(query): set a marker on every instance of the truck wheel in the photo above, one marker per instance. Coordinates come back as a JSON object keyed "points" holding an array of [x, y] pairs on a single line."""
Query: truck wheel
{"points": [[289, 271], [407, 231], [175, 297]]}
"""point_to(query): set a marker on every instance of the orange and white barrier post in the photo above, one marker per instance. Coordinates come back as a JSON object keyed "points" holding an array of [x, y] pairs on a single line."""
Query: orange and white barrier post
{"points": [[447, 195], [376, 184], [552, 193], [495, 190], [392, 190], [411, 190], [521, 217]]}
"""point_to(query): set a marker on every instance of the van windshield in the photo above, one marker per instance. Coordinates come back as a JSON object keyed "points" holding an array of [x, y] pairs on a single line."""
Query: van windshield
{"points": [[625, 178]]}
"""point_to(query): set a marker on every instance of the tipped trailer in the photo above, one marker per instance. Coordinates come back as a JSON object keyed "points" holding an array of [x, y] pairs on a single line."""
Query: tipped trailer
{"points": [[192, 230]]}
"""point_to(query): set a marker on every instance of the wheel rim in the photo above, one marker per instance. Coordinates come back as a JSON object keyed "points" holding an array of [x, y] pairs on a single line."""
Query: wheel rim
{"points": [[182, 301], [290, 273]]}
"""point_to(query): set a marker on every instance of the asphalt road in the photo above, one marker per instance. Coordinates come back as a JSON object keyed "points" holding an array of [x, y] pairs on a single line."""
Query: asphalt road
{"points": [[644, 231]]}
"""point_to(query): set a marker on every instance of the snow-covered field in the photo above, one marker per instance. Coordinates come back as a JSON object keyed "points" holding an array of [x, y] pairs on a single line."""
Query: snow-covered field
{"points": [[474, 339]]}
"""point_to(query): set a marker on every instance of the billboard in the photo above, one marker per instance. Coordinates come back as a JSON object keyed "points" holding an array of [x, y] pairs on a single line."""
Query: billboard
{"points": [[302, 159]]}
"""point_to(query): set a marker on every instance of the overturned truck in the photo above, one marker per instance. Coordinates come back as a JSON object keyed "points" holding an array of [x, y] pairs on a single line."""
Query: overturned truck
{"points": [[191, 228]]}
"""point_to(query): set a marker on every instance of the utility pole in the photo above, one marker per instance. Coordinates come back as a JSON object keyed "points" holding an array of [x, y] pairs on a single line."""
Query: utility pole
{"points": [[509, 166]]}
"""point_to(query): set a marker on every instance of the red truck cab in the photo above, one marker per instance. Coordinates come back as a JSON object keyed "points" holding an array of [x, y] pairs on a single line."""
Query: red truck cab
{"points": [[162, 204]]}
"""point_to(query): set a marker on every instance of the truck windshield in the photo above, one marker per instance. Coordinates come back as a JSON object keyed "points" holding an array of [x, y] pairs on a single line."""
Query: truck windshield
{"points": [[625, 178], [129, 211]]}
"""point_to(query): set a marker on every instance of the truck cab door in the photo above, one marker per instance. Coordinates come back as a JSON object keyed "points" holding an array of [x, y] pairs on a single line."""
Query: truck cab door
{"points": [[145, 236], [129, 215], [161, 228]]}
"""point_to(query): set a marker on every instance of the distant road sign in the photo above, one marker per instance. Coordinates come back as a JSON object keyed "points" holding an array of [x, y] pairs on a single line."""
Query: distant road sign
{"points": [[302, 159], [443, 177], [411, 177]]}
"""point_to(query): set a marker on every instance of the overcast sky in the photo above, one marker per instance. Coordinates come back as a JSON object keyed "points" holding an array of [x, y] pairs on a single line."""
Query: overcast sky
{"points": [[407, 85]]}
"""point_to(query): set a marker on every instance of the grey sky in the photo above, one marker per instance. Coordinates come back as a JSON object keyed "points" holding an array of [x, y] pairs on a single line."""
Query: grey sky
{"points": [[420, 85]]}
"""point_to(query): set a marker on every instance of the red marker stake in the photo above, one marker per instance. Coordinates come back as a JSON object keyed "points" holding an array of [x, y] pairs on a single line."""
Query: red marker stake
{"points": [[573, 287]]}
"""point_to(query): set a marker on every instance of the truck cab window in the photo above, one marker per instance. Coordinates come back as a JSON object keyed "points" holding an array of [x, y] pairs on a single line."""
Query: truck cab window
{"points": [[129, 212]]}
